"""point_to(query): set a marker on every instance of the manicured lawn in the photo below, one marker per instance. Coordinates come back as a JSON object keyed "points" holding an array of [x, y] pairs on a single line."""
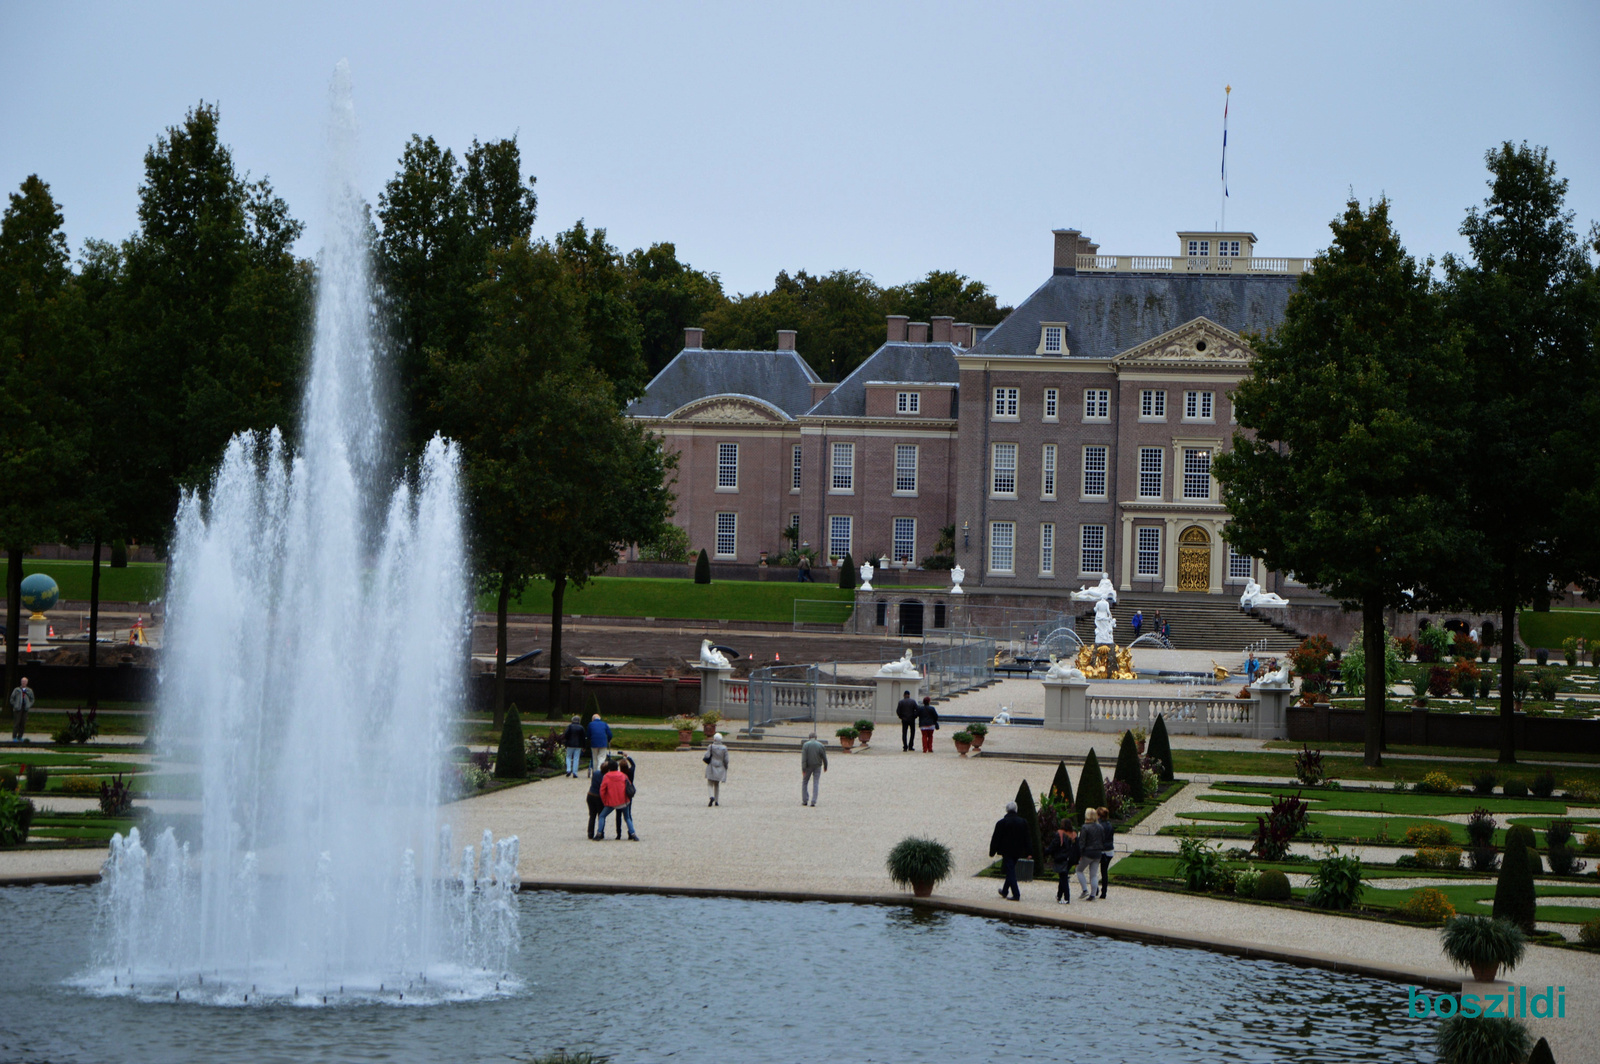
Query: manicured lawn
{"points": [[139, 582], [728, 600], [1404, 803], [1547, 630], [1359, 829], [110, 723], [1439, 751], [1235, 763], [81, 827]]}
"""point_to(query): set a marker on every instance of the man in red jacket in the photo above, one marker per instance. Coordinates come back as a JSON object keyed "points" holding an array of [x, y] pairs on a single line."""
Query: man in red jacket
{"points": [[614, 788]]}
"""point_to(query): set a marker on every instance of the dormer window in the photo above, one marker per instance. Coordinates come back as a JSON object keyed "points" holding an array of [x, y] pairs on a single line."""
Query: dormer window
{"points": [[908, 402], [1228, 248], [1052, 338], [1199, 247]]}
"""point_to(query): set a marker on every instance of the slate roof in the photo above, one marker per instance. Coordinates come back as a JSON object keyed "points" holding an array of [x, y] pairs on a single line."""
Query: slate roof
{"points": [[901, 362], [1108, 313], [782, 378]]}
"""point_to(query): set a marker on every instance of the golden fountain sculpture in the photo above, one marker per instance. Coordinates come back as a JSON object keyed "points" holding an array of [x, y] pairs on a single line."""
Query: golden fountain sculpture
{"points": [[1105, 662]]}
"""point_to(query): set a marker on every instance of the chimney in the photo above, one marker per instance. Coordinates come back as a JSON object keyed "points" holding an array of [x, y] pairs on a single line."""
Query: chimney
{"points": [[961, 334], [1066, 250], [786, 339], [941, 328], [897, 328], [917, 332], [694, 338]]}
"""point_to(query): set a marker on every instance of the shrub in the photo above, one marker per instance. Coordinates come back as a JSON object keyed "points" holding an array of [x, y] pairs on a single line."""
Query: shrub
{"points": [[1061, 784], [1354, 672], [1485, 683], [978, 728], [1434, 643], [16, 816], [1428, 906], [702, 568], [1160, 749], [915, 860], [1474, 940], [37, 776], [1152, 782], [1480, 827], [119, 554], [1570, 648], [1437, 783], [79, 728], [1483, 781], [1245, 881], [1091, 786], [1466, 685], [962, 737], [847, 732], [1544, 784], [511, 760], [81, 786], [116, 797], [1514, 788], [1520, 683], [1128, 772], [1273, 885], [1439, 681], [1464, 646], [672, 545], [1274, 832], [1561, 855], [1440, 857], [1336, 884], [1589, 932], [1119, 802], [1053, 814], [1481, 1040], [1591, 842], [1484, 859], [1428, 835], [1308, 766], [1406, 645], [1030, 812], [1199, 863], [865, 725], [1546, 682], [8, 780], [1579, 791], [847, 573], [1513, 892], [1311, 655]]}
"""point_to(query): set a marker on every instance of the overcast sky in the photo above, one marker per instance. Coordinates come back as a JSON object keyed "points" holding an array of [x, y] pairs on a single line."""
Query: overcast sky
{"points": [[893, 139]]}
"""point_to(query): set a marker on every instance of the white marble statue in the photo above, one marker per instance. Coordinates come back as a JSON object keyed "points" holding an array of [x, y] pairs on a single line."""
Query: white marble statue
{"points": [[957, 575], [866, 576], [1101, 592], [1277, 678], [1104, 624], [1064, 670], [1255, 597], [711, 657], [1002, 717], [901, 666]]}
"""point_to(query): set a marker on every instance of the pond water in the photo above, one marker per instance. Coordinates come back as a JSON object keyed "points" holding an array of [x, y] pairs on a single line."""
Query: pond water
{"points": [[648, 978]]}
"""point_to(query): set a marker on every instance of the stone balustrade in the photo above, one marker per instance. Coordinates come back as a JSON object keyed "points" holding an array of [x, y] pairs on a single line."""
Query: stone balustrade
{"points": [[1190, 264], [1069, 706]]}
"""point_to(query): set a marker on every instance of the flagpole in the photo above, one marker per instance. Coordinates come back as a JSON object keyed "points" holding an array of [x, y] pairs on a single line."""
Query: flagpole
{"points": [[1227, 93]]}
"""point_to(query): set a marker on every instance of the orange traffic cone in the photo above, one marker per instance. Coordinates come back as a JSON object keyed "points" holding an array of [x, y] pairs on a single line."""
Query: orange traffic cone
{"points": [[52, 632]]}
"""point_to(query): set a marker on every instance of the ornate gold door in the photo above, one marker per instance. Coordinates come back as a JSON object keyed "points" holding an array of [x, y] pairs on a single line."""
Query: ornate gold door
{"points": [[1194, 560]]}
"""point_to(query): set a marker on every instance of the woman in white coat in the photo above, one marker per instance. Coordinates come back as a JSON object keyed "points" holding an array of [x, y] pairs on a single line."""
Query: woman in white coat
{"points": [[716, 760]]}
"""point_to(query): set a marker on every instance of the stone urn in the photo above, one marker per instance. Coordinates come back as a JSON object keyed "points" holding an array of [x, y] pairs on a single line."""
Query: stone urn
{"points": [[977, 741], [866, 736], [846, 743], [685, 736], [962, 746]]}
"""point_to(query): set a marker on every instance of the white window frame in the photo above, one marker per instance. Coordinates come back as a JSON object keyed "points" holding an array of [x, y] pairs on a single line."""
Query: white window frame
{"points": [[1096, 470], [904, 531], [1004, 407], [1152, 404], [1003, 547], [1152, 463], [1047, 472], [1053, 340], [1199, 406], [1092, 547], [906, 457], [1052, 404], [1047, 549], [835, 523], [908, 402], [1194, 476], [842, 470], [1097, 404], [1240, 566], [727, 535], [794, 521], [728, 467], [1199, 249], [1228, 248], [1003, 471], [1148, 552], [795, 468]]}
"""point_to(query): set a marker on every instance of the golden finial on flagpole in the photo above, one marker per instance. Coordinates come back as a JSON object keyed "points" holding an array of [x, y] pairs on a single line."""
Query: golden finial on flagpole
{"points": [[1227, 89]]}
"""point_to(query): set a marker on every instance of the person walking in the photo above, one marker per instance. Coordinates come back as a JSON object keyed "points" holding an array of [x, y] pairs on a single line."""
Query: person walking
{"points": [[1011, 842], [906, 710], [599, 742], [1107, 835], [626, 766], [813, 763], [1250, 668], [716, 760], [1063, 853], [1166, 630], [1155, 623], [805, 570], [21, 701], [1090, 845], [1137, 622], [574, 739], [593, 799], [615, 797], [928, 721]]}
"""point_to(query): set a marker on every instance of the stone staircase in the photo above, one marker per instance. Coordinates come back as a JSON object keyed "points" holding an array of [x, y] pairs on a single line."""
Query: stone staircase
{"points": [[1199, 622]]}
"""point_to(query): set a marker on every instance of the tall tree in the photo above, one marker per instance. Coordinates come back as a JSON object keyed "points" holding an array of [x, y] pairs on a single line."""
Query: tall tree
{"points": [[1350, 418], [668, 296], [1526, 304], [610, 325], [945, 292]]}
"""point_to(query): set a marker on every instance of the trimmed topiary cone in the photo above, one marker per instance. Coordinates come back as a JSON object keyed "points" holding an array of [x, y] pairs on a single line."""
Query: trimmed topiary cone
{"points": [[847, 573], [1030, 812], [511, 763], [1514, 897], [1128, 767], [1091, 786], [1160, 748], [1061, 785], [1541, 1054], [702, 568]]}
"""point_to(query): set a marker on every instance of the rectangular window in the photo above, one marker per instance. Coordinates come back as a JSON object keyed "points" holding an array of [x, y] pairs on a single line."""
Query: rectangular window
{"points": [[1149, 551], [938, 615], [1052, 398], [1047, 549], [794, 520], [1196, 473], [1097, 404], [1228, 248], [1239, 565], [728, 465], [727, 535], [1197, 406], [1005, 402], [905, 469], [1153, 404], [794, 470], [1199, 247], [844, 467], [1092, 549], [1151, 460], [1094, 472], [1052, 339], [905, 539], [838, 535], [1004, 478], [908, 402], [1002, 546], [1047, 472]]}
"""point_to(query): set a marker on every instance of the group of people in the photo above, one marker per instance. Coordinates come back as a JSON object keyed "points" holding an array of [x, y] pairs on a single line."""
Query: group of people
{"points": [[1157, 625], [1070, 851], [914, 717]]}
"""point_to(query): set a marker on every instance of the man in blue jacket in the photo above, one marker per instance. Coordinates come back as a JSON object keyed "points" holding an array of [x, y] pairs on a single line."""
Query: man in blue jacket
{"points": [[599, 741]]}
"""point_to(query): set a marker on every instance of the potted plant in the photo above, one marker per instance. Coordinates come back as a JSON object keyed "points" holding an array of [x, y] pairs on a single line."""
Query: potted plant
{"points": [[708, 722], [1139, 737], [920, 864], [847, 737], [1483, 944], [963, 741], [864, 728], [977, 731], [685, 725]]}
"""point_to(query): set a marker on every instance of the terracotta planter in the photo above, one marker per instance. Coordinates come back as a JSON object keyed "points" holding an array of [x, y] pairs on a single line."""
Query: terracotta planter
{"points": [[977, 742], [684, 737], [1139, 744], [962, 748], [921, 888], [1485, 973], [866, 736], [846, 743]]}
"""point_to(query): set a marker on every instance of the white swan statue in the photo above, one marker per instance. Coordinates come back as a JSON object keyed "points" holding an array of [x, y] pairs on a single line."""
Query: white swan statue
{"points": [[711, 657]]}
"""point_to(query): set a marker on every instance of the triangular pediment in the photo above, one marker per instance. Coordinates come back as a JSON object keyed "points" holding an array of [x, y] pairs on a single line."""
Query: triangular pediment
{"points": [[729, 409], [1198, 343]]}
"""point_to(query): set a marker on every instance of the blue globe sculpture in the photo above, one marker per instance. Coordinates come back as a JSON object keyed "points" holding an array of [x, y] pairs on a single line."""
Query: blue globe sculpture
{"points": [[39, 593]]}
